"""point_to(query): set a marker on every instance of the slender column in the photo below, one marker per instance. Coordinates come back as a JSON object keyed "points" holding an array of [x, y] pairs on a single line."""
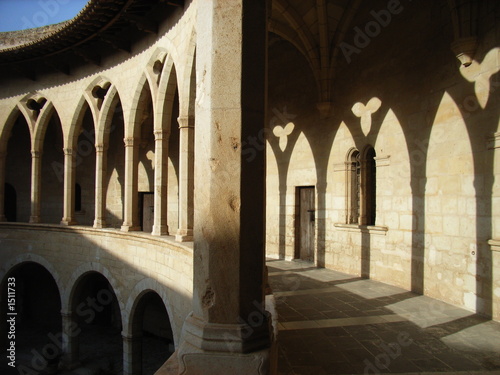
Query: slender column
{"points": [[2, 186], [131, 219], [70, 342], [186, 178], [69, 188], [229, 329], [160, 226], [36, 185], [132, 355], [100, 188]]}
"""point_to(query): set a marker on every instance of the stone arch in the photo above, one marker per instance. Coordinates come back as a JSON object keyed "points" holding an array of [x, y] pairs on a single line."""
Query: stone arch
{"points": [[336, 175], [166, 93], [7, 156], [78, 274], [154, 70], [86, 101], [140, 289], [41, 125], [31, 116], [105, 115], [187, 80], [7, 127], [93, 310], [303, 174], [133, 124], [450, 269], [33, 258]]}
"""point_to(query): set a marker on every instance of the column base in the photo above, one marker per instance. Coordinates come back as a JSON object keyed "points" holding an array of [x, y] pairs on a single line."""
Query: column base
{"points": [[130, 228], [67, 221], [34, 219], [184, 235], [160, 230], [99, 224], [214, 349], [2, 218]]}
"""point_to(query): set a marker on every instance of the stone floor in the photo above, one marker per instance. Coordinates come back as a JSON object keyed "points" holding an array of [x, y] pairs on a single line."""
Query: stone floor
{"points": [[334, 323]]}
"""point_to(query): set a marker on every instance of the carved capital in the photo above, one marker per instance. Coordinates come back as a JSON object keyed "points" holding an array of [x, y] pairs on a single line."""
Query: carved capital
{"points": [[185, 122], [161, 134], [68, 151], [129, 141], [36, 154], [99, 148]]}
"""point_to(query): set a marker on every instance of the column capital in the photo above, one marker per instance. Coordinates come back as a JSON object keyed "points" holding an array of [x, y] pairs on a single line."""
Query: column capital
{"points": [[36, 153], [99, 147], [161, 134], [130, 141], [185, 122], [68, 151]]}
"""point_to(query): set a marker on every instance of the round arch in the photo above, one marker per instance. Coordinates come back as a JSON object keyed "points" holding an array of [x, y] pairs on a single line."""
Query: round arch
{"points": [[141, 288], [78, 274], [32, 258]]}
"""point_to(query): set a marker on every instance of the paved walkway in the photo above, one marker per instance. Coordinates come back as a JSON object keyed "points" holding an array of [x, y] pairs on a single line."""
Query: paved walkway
{"points": [[334, 323]]}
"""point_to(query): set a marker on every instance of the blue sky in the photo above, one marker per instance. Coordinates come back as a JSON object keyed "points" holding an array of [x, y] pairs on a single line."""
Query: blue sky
{"points": [[27, 14]]}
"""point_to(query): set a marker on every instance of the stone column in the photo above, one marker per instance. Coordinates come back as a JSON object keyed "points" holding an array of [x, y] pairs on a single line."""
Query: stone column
{"points": [[228, 331], [36, 185], [70, 343], [100, 188], [2, 186], [132, 355], [131, 217], [160, 226], [69, 188], [186, 178]]}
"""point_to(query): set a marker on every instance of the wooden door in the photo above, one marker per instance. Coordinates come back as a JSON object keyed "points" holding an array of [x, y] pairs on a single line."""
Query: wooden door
{"points": [[306, 220], [147, 212]]}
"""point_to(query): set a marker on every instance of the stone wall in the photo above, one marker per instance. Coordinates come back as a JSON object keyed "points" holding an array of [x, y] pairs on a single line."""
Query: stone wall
{"points": [[132, 264], [428, 120]]}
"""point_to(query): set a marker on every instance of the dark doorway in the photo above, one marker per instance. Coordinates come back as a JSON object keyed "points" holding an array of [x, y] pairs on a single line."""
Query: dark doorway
{"points": [[146, 212], [304, 248]]}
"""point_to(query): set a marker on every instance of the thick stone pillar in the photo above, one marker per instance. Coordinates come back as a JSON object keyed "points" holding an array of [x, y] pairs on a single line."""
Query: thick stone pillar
{"points": [[131, 214], [70, 343], [132, 355], [2, 186], [186, 178], [69, 188], [229, 330], [100, 188], [160, 226], [36, 185]]}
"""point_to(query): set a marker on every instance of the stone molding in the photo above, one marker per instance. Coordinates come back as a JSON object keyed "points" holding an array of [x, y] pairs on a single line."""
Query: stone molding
{"points": [[372, 229]]}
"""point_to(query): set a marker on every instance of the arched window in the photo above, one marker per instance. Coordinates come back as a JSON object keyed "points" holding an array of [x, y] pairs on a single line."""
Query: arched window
{"points": [[361, 189], [369, 187], [353, 203]]}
